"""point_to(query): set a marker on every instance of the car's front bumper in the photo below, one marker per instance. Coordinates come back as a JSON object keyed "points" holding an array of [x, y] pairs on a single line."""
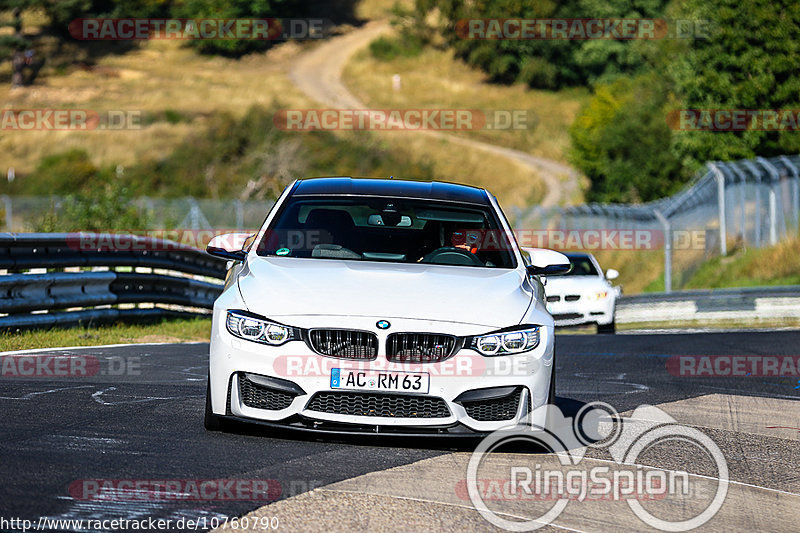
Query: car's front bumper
{"points": [[582, 311], [243, 373]]}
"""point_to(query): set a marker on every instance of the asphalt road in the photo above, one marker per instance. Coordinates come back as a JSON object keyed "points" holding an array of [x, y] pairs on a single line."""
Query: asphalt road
{"points": [[140, 418]]}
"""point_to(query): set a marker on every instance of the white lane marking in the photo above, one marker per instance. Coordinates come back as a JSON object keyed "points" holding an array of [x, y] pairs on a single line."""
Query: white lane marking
{"points": [[31, 395], [201, 376], [683, 331], [97, 396], [462, 506], [99, 346]]}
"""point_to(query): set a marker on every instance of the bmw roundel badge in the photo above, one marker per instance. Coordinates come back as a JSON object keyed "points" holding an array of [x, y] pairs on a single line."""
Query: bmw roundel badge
{"points": [[383, 324]]}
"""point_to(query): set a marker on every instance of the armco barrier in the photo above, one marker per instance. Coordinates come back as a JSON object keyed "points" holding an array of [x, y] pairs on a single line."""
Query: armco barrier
{"points": [[742, 305], [56, 298], [70, 298]]}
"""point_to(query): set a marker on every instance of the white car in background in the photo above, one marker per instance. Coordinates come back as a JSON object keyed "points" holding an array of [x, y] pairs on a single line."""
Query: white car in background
{"points": [[377, 306], [584, 295]]}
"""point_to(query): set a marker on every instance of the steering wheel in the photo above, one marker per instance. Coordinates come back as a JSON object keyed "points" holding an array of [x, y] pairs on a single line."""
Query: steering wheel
{"points": [[450, 255]]}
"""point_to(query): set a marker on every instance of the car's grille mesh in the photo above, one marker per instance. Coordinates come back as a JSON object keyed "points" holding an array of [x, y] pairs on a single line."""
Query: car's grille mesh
{"points": [[260, 397], [419, 347], [344, 343], [572, 297], [555, 298], [494, 410], [379, 405]]}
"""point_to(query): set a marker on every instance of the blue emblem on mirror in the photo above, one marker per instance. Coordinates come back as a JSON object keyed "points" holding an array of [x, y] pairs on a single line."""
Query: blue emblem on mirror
{"points": [[383, 324]]}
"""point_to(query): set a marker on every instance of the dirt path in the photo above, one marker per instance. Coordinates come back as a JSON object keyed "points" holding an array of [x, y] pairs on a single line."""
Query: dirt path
{"points": [[318, 73]]}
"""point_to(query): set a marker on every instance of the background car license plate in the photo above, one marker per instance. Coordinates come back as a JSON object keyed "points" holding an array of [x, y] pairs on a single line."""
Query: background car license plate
{"points": [[343, 378]]}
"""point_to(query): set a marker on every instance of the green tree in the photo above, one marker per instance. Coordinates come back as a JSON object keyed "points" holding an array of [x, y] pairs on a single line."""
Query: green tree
{"points": [[748, 61], [621, 141]]}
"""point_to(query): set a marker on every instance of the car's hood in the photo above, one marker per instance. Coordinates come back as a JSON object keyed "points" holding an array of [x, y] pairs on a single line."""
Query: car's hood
{"points": [[574, 284], [280, 287]]}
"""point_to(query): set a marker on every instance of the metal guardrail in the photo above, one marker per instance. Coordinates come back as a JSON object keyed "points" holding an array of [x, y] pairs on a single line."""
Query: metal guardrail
{"points": [[749, 304], [33, 300]]}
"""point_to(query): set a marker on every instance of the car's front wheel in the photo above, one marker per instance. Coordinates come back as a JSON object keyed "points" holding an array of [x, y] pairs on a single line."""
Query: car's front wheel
{"points": [[211, 421]]}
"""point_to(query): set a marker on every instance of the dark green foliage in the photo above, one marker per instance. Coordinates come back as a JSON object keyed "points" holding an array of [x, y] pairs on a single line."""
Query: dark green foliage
{"points": [[387, 48], [749, 61], [107, 207], [226, 154], [545, 64], [621, 141]]}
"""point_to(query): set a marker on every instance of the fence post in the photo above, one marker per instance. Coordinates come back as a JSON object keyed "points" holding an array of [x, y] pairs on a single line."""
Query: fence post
{"points": [[773, 200], [757, 175], [239, 214], [795, 190], [9, 215], [723, 230], [667, 249]]}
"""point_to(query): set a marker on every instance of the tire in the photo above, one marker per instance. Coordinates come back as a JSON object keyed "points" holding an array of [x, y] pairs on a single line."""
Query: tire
{"points": [[607, 329], [211, 421]]}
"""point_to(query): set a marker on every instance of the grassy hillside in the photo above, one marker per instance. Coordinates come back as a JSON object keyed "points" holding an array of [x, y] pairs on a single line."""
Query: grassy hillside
{"points": [[183, 98], [433, 78]]}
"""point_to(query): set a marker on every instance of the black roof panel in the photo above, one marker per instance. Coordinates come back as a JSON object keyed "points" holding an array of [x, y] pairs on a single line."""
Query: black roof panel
{"points": [[433, 190]]}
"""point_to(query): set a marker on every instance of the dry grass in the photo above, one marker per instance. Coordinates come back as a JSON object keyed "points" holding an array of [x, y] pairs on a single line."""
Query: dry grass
{"points": [[194, 330], [164, 75], [435, 79], [159, 76], [774, 265]]}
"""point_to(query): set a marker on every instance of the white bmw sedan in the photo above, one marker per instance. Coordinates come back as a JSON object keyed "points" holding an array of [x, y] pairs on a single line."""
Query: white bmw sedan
{"points": [[381, 306], [585, 295]]}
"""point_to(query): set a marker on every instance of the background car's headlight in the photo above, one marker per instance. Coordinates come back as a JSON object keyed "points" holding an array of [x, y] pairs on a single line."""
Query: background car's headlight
{"points": [[260, 330], [508, 342], [599, 295]]}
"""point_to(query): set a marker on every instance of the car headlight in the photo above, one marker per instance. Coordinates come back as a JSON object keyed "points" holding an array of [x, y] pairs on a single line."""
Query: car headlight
{"points": [[599, 295], [251, 328], [506, 342]]}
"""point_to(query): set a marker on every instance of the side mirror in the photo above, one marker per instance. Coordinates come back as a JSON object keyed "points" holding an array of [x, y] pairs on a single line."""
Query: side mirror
{"points": [[229, 246], [547, 262], [611, 274]]}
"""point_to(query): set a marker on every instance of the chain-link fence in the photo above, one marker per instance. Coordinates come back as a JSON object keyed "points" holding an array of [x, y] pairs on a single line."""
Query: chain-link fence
{"points": [[24, 213], [739, 203]]}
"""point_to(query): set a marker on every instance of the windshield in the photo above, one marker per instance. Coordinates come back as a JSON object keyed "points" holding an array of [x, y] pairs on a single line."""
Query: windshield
{"points": [[397, 230], [582, 266]]}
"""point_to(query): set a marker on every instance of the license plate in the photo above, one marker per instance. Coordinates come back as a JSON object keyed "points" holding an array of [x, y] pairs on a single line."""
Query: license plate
{"points": [[343, 378]]}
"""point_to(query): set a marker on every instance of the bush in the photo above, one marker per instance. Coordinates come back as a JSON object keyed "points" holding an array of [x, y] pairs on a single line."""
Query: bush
{"points": [[622, 142], [60, 173], [387, 49], [105, 209]]}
